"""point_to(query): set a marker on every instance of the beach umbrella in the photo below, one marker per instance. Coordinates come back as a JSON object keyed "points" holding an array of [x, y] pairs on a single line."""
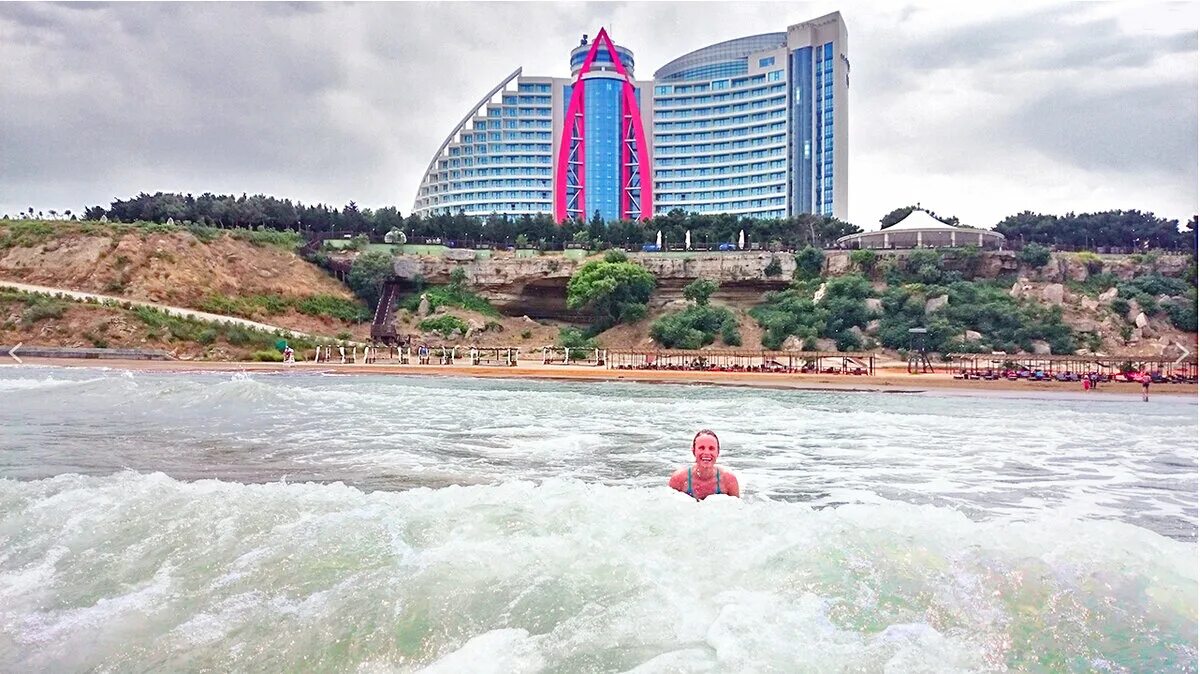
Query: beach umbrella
{"points": [[687, 240], [658, 241], [742, 240]]}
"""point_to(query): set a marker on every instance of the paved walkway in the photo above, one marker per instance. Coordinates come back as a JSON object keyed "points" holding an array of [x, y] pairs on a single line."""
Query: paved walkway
{"points": [[174, 311]]}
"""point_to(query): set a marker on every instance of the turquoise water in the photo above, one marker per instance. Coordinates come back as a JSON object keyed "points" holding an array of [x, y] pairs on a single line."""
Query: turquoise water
{"points": [[311, 522]]}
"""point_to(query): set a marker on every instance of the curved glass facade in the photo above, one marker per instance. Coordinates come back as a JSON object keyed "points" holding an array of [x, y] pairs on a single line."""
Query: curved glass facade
{"points": [[500, 162], [721, 146], [730, 51], [755, 126]]}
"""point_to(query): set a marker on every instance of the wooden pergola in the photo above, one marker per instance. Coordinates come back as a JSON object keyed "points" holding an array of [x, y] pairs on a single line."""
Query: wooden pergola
{"points": [[565, 355], [505, 356], [729, 360], [983, 364]]}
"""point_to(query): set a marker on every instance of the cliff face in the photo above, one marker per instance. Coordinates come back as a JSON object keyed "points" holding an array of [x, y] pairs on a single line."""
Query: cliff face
{"points": [[537, 286]]}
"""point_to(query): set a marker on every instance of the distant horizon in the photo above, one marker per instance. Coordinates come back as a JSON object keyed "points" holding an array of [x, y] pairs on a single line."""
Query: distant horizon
{"points": [[977, 112]]}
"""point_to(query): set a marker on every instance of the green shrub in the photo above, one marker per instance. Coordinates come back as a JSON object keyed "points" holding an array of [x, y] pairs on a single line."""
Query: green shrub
{"points": [[614, 256], [458, 277], [207, 336], [774, 268], [345, 335], [577, 341], [445, 325], [1090, 261], [526, 334], [268, 237], [267, 356], [205, 234], [1152, 284], [787, 313], [700, 290], [333, 307], [1035, 255], [1183, 316], [238, 336], [41, 309], [450, 296], [809, 263], [864, 260], [1121, 306], [695, 327]]}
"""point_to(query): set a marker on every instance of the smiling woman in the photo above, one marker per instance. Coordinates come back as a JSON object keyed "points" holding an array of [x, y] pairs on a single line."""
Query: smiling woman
{"points": [[705, 478]]}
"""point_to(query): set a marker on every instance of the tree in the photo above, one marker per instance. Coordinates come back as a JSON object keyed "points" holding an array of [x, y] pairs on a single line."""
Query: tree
{"points": [[700, 290], [368, 274], [616, 292], [809, 263], [899, 214], [895, 216], [1034, 255], [864, 260]]}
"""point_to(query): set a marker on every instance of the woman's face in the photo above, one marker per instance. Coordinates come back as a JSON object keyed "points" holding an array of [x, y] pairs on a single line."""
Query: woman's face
{"points": [[705, 449]]}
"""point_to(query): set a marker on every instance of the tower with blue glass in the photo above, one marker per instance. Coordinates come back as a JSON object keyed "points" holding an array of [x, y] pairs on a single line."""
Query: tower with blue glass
{"points": [[755, 126]]}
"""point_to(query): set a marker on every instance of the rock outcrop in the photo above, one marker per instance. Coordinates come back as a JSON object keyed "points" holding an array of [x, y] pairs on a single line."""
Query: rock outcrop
{"points": [[537, 286]]}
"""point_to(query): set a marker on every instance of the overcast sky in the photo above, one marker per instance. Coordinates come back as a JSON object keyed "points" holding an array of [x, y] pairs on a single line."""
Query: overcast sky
{"points": [[974, 109]]}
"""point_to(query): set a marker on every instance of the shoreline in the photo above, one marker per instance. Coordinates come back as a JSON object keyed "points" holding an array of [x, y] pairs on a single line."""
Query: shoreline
{"points": [[886, 382]]}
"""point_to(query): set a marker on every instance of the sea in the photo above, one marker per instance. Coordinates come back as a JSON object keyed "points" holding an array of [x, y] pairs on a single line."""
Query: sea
{"points": [[308, 521]]}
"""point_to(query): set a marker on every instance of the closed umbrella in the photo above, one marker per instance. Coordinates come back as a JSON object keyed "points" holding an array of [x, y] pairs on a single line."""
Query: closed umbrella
{"points": [[687, 240], [742, 240], [658, 242]]}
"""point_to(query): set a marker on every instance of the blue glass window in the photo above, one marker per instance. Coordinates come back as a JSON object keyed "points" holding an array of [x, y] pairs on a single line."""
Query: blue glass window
{"points": [[602, 173], [767, 62]]}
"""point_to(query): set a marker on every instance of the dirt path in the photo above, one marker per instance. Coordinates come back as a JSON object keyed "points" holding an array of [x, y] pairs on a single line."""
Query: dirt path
{"points": [[174, 311]]}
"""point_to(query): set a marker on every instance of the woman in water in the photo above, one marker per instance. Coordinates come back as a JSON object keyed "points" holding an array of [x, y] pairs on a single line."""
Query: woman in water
{"points": [[705, 478]]}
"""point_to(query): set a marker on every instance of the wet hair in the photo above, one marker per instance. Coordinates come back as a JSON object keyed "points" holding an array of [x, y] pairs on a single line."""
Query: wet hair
{"points": [[705, 431]]}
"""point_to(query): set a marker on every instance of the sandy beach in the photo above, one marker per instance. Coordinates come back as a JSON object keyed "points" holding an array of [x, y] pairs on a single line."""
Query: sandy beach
{"points": [[885, 380]]}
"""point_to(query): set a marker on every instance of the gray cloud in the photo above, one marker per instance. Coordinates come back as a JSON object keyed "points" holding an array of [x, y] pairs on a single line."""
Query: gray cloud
{"points": [[332, 102]]}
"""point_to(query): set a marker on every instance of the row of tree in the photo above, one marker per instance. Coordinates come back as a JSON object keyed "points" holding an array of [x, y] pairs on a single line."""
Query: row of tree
{"points": [[1118, 229]]}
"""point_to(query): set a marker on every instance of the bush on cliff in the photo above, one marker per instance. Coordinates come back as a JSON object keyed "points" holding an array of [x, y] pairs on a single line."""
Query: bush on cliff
{"points": [[1035, 255], [367, 275], [700, 290], [809, 263], [445, 325], [615, 292], [695, 327]]}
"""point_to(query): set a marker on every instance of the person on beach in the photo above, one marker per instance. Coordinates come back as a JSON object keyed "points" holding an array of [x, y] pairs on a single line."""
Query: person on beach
{"points": [[705, 477], [1145, 378]]}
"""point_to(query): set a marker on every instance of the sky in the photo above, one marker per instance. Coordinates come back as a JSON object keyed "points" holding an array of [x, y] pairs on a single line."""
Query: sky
{"points": [[978, 110]]}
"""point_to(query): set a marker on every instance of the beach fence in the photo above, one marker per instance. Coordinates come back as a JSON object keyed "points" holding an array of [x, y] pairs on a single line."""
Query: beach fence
{"points": [[717, 360]]}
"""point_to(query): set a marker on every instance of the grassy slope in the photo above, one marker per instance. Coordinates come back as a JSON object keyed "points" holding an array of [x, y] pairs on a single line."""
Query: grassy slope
{"points": [[247, 273]]}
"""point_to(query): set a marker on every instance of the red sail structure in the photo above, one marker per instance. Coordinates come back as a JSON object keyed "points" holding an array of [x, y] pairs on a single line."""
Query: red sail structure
{"points": [[636, 189]]}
